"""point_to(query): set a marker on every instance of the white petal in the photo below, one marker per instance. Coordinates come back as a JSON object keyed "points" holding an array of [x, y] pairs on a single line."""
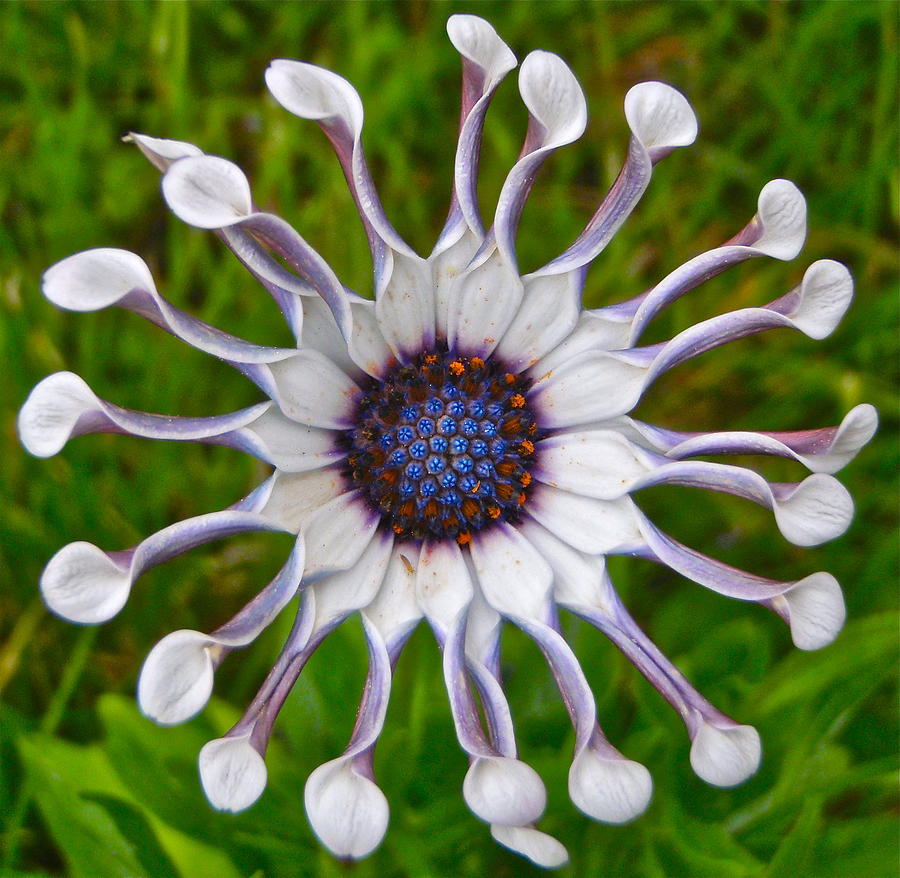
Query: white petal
{"points": [[553, 97], [338, 534], [296, 497], [475, 39], [347, 811], [606, 331], [484, 301], [819, 509], [81, 583], [585, 523], [312, 390], [781, 211], [578, 580], [826, 293], [503, 791], [542, 849], [596, 463], [312, 92], [368, 347], [232, 772], [659, 116], [352, 589], [591, 386], [162, 152], [395, 610], [404, 308], [548, 313], [816, 609], [294, 447], [177, 677], [514, 578], [207, 192], [52, 410], [609, 790], [95, 279], [443, 584], [725, 757]]}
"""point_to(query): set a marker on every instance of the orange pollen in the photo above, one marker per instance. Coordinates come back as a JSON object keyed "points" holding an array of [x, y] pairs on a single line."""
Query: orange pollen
{"points": [[476, 487], [510, 378], [396, 529], [532, 430], [476, 363], [469, 508], [456, 367], [494, 511], [522, 499], [526, 446], [431, 359], [464, 538], [526, 479], [517, 401]]}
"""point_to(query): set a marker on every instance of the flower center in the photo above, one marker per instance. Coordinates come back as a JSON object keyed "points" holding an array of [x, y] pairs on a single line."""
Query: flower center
{"points": [[442, 447]]}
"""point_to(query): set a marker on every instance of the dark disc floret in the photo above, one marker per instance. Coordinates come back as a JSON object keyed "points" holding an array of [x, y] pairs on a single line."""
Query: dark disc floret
{"points": [[443, 446]]}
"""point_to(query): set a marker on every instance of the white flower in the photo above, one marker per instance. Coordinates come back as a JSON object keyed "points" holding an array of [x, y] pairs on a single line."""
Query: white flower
{"points": [[457, 449]]}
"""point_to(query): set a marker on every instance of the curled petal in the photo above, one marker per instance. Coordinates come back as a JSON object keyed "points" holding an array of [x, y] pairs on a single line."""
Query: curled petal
{"points": [[814, 608], [557, 116], [84, 584], [207, 192], [87, 585], [725, 755], [160, 151], [347, 811], [504, 792], [542, 849], [95, 279], [486, 60], [233, 773], [660, 119], [597, 385], [778, 230], [611, 790], [177, 677], [826, 450]]}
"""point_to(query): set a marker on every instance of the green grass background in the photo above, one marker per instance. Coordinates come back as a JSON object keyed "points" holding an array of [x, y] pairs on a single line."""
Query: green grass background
{"points": [[801, 90]]}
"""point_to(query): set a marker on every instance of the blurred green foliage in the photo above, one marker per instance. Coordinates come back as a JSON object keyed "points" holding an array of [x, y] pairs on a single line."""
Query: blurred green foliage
{"points": [[800, 90]]}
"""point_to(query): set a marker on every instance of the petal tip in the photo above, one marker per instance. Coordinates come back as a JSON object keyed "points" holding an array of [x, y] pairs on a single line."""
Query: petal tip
{"points": [[725, 756]]}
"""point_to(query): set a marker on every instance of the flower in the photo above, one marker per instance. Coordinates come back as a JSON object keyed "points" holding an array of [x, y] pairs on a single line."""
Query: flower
{"points": [[459, 450]]}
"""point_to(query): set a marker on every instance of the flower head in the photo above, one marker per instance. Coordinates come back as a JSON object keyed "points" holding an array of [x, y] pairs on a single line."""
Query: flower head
{"points": [[458, 449]]}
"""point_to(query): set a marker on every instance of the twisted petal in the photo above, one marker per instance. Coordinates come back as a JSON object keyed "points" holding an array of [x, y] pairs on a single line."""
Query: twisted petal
{"points": [[160, 151], [177, 677], [778, 230], [825, 450], [596, 385], [604, 464], [212, 193], [233, 773], [95, 279], [403, 289], [812, 606], [540, 848], [345, 807], [486, 60], [557, 115], [660, 119], [84, 584], [347, 811], [582, 585]]}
